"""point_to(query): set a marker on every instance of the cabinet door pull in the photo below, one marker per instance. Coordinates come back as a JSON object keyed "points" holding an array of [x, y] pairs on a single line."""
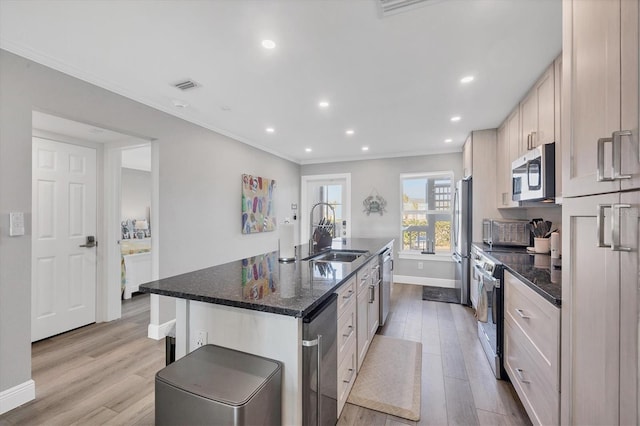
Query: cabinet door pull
{"points": [[519, 371], [600, 225], [348, 295], [521, 313], [533, 139], [349, 333], [351, 370], [372, 294], [617, 154], [600, 177], [615, 227]]}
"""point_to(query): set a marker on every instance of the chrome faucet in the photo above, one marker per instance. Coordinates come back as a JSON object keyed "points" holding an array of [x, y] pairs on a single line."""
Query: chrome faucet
{"points": [[319, 225]]}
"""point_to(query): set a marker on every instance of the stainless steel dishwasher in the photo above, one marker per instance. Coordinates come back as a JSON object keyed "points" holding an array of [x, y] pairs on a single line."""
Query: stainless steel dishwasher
{"points": [[320, 364], [386, 262]]}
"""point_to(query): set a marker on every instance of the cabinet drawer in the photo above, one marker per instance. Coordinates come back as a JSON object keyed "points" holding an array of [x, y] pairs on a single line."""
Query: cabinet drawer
{"points": [[535, 383], [375, 272], [346, 328], [346, 376], [364, 277], [346, 294], [538, 319]]}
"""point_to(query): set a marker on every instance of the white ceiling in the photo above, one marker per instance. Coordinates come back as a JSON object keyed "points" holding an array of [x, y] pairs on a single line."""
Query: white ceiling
{"points": [[393, 80]]}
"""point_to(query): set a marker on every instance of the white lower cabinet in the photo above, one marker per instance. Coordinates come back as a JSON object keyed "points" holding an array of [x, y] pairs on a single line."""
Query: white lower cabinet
{"points": [[347, 366], [532, 350], [358, 320]]}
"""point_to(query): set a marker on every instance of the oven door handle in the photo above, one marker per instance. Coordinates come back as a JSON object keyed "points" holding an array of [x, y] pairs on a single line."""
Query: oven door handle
{"points": [[494, 305], [486, 276]]}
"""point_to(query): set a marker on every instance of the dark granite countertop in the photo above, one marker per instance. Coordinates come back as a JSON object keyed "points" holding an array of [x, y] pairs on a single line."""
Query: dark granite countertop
{"points": [[262, 283], [535, 270]]}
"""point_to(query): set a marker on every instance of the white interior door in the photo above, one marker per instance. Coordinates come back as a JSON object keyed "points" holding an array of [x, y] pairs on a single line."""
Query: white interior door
{"points": [[63, 273]]}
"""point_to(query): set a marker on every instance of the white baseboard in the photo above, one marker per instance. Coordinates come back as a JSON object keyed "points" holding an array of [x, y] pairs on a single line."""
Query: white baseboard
{"points": [[159, 332], [17, 395], [426, 281]]}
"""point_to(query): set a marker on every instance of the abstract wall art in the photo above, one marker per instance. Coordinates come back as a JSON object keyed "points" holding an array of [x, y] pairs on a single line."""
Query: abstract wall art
{"points": [[258, 213]]}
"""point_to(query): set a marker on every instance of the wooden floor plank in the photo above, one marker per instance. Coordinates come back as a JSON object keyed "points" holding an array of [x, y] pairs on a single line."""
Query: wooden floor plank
{"points": [[433, 407], [461, 408]]}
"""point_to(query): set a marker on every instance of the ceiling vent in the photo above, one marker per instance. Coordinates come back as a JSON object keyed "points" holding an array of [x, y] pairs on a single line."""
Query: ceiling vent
{"points": [[186, 84], [392, 7]]}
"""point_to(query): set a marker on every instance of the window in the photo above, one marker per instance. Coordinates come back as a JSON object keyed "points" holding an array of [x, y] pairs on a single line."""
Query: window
{"points": [[333, 189], [427, 212]]}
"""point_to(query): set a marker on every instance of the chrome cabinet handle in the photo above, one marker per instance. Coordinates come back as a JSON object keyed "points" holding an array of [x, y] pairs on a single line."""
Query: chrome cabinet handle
{"points": [[350, 332], [521, 313], [350, 293], [520, 372], [600, 177], [615, 227], [533, 139], [372, 294], [600, 225], [350, 376], [617, 154]]}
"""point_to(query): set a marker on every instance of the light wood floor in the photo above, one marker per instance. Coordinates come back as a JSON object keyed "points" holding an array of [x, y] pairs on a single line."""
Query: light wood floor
{"points": [[104, 373]]}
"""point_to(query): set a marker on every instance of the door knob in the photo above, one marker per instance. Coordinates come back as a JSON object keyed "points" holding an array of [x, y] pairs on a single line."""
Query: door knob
{"points": [[91, 242]]}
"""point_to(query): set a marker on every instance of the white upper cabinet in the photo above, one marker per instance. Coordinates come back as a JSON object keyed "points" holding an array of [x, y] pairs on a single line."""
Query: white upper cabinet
{"points": [[537, 113], [600, 123]]}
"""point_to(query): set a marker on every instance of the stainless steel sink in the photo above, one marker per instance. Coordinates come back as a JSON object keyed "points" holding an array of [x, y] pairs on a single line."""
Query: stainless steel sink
{"points": [[345, 256]]}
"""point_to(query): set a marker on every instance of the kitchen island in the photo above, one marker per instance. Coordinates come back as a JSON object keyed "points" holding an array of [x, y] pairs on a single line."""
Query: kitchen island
{"points": [[257, 305]]}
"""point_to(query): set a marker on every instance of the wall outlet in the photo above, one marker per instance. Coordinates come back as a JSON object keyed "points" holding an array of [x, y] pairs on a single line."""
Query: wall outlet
{"points": [[420, 265], [201, 339]]}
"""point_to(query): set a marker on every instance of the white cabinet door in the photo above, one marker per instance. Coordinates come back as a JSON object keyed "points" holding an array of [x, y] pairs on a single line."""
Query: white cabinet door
{"points": [[374, 310], [591, 91], [545, 94], [362, 328], [590, 352], [63, 274], [630, 118], [629, 307]]}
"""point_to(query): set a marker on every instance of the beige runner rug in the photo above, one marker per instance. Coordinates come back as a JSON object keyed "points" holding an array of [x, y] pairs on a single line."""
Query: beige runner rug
{"points": [[389, 380]]}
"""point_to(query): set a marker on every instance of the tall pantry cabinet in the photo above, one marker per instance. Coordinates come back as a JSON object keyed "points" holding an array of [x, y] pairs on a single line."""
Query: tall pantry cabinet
{"points": [[601, 212]]}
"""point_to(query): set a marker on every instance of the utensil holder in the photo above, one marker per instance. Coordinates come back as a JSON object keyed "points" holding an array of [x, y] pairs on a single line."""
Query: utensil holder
{"points": [[541, 245]]}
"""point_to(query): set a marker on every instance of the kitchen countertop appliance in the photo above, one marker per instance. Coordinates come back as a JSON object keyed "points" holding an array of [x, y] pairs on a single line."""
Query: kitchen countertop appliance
{"points": [[488, 300], [462, 202], [386, 262], [506, 232], [320, 364]]}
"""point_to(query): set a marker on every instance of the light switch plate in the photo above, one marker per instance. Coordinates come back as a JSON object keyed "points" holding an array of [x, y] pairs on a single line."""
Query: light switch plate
{"points": [[16, 224]]}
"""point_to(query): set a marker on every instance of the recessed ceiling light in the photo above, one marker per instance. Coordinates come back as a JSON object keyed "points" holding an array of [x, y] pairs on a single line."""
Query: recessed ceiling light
{"points": [[448, 140], [268, 44], [307, 149], [350, 132], [365, 148], [179, 104], [467, 79], [270, 130], [456, 118], [323, 104]]}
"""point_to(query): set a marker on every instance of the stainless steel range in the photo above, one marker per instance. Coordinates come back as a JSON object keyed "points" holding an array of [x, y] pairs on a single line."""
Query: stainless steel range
{"points": [[487, 299]]}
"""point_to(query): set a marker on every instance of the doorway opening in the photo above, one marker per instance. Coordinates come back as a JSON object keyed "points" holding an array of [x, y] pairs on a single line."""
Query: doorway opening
{"points": [[99, 274], [333, 189], [135, 218]]}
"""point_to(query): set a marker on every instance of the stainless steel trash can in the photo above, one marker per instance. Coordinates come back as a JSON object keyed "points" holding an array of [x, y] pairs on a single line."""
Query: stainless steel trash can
{"points": [[219, 386]]}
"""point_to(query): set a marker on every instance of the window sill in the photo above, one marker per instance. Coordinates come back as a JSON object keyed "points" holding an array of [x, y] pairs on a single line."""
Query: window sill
{"points": [[416, 255]]}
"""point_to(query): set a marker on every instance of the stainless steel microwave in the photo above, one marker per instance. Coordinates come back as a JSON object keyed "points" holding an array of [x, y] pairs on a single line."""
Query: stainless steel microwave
{"points": [[534, 174]]}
